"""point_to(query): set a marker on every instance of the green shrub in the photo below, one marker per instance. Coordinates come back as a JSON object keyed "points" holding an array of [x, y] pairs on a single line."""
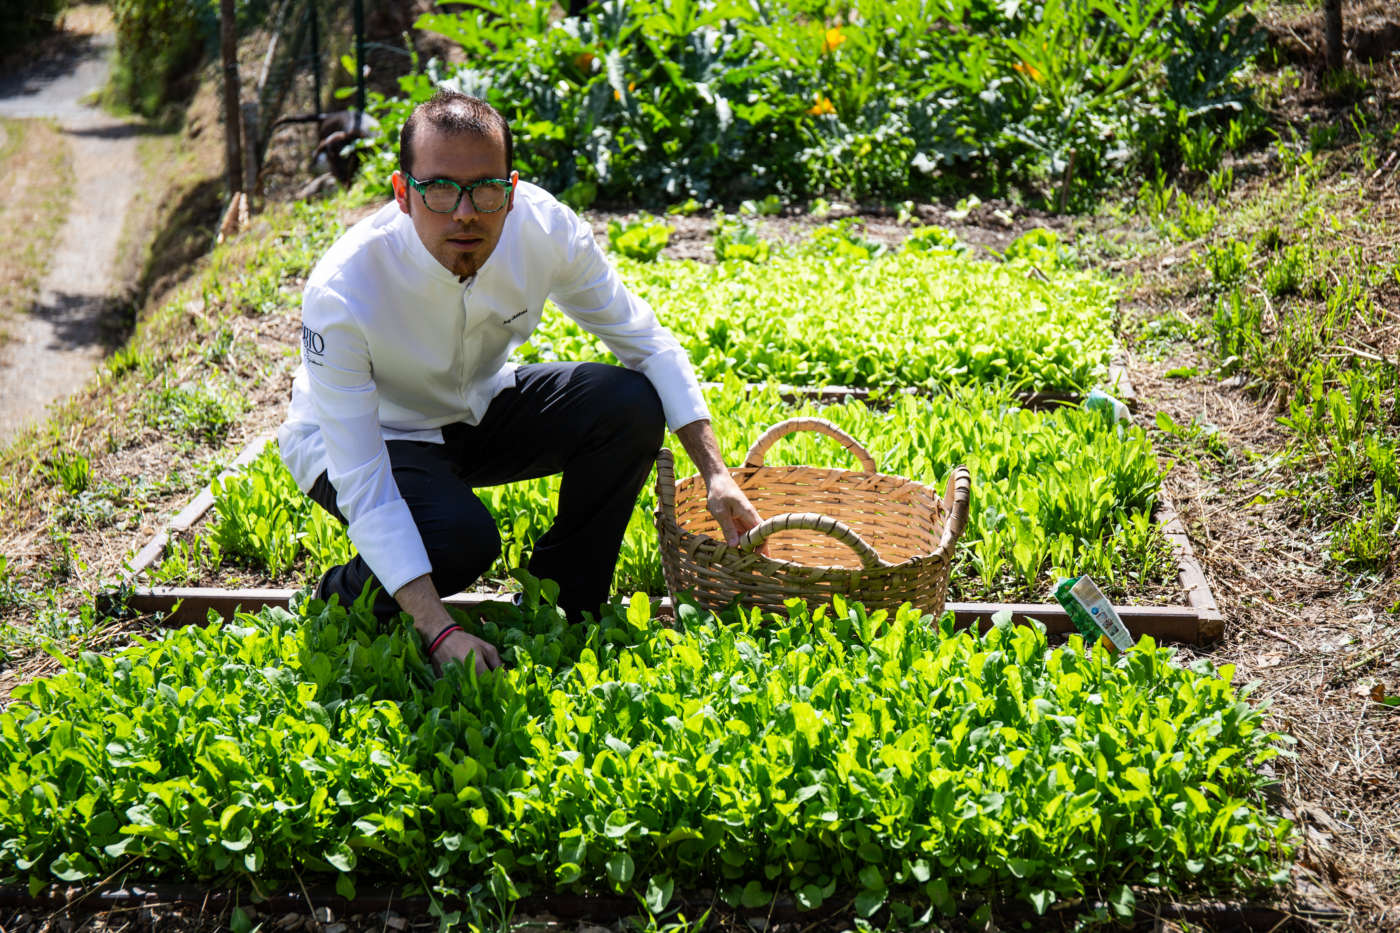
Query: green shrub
{"points": [[161, 42], [158, 43], [659, 101]]}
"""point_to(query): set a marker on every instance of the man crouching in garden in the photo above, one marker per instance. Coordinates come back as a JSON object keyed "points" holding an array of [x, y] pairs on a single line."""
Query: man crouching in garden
{"points": [[405, 399]]}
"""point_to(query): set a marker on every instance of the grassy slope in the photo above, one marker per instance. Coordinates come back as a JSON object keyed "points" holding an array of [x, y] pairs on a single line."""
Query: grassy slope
{"points": [[1319, 632]]}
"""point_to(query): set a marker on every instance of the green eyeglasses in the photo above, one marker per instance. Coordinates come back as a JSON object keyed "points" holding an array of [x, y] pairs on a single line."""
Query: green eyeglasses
{"points": [[442, 195]]}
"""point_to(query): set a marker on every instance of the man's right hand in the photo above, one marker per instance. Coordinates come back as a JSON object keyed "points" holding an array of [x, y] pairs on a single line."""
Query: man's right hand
{"points": [[419, 598], [459, 646]]}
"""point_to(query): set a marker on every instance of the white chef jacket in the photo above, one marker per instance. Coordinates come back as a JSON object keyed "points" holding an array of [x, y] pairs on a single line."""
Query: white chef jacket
{"points": [[395, 347]]}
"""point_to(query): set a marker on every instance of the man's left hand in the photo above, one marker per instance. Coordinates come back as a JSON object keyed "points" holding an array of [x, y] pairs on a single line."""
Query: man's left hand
{"points": [[730, 507], [725, 500]]}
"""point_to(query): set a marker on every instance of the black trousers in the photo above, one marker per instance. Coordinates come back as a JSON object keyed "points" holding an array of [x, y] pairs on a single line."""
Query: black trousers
{"points": [[598, 425]]}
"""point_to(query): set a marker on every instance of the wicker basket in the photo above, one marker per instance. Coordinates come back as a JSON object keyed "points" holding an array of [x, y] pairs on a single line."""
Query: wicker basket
{"points": [[882, 540]]}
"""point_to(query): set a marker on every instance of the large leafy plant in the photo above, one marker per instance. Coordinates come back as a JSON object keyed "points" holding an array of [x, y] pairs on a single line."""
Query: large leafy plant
{"points": [[661, 100]]}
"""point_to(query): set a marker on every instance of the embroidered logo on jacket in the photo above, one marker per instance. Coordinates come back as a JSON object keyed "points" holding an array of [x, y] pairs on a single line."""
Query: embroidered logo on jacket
{"points": [[515, 315], [313, 343]]}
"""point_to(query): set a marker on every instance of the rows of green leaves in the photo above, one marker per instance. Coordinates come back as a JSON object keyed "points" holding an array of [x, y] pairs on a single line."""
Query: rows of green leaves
{"points": [[920, 318], [1056, 493], [660, 100], [818, 756]]}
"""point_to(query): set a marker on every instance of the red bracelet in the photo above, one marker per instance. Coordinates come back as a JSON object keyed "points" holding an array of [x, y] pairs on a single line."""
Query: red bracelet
{"points": [[442, 636]]}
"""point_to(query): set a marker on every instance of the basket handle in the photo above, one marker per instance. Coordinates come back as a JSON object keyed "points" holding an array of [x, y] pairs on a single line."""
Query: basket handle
{"points": [[820, 426], [957, 502], [811, 521], [666, 486]]}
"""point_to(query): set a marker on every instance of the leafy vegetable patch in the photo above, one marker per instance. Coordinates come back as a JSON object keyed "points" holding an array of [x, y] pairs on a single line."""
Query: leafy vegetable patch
{"points": [[915, 318], [831, 754], [661, 102], [1054, 494]]}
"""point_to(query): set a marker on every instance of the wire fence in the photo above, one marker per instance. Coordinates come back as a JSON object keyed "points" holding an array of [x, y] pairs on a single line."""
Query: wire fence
{"points": [[298, 75], [294, 47]]}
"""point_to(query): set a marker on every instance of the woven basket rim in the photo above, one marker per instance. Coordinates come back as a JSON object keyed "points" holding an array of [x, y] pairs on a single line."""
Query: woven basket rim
{"points": [[689, 535]]}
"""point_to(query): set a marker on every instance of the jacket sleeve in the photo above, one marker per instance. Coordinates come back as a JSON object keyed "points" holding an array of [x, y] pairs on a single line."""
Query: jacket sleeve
{"points": [[346, 403], [589, 290]]}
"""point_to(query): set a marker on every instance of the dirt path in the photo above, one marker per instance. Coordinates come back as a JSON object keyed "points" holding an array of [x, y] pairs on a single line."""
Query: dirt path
{"points": [[57, 345]]}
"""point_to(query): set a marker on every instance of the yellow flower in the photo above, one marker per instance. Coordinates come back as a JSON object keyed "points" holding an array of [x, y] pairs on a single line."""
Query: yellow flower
{"points": [[1029, 70], [823, 105], [833, 38], [583, 61]]}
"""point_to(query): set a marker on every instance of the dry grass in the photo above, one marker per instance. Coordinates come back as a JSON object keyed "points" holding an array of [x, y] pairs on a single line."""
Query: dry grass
{"points": [[34, 161], [1323, 647], [1321, 640]]}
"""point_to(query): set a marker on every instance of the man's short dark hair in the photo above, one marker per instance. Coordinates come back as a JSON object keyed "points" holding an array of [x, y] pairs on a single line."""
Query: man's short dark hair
{"points": [[455, 113]]}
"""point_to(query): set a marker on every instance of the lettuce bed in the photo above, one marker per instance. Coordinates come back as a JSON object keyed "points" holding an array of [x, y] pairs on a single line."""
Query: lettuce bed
{"points": [[819, 756], [1054, 493], [906, 319]]}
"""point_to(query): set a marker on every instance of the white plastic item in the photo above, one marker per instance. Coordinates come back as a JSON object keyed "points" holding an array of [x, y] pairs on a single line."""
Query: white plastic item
{"points": [[1087, 593], [1099, 400]]}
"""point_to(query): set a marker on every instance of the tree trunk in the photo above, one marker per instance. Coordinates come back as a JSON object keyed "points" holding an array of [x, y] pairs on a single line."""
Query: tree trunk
{"points": [[233, 118], [1332, 17]]}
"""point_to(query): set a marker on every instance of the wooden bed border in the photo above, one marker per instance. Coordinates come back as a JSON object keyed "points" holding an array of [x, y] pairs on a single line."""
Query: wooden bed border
{"points": [[186, 518], [177, 606], [1198, 622], [1118, 385]]}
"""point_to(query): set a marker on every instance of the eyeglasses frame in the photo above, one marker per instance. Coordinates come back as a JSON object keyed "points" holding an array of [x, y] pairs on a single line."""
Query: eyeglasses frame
{"points": [[467, 189]]}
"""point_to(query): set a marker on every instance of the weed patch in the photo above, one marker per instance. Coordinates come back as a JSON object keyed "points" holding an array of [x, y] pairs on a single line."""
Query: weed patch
{"points": [[1296, 320], [194, 415]]}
